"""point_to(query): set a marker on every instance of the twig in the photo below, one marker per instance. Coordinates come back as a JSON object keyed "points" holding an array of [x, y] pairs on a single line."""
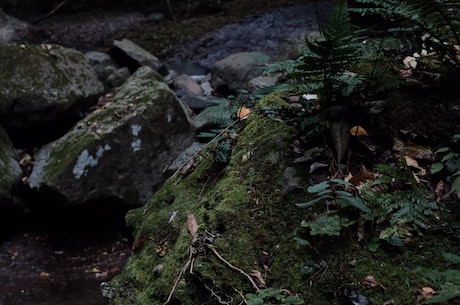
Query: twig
{"points": [[204, 146], [180, 276], [50, 13], [234, 268]]}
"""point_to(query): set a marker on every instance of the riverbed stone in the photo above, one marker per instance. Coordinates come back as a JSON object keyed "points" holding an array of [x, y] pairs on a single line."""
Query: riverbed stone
{"points": [[233, 72], [44, 83], [120, 151], [128, 54]]}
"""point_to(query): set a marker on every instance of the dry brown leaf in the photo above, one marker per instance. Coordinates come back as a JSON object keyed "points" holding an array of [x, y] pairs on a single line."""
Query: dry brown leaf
{"points": [[192, 225], [439, 191], [361, 178], [357, 131], [257, 275], [425, 293], [243, 113], [44, 275], [413, 163], [371, 281]]}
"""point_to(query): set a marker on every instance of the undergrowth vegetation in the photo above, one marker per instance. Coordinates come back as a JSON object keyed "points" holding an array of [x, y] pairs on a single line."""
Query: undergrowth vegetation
{"points": [[341, 76], [376, 206]]}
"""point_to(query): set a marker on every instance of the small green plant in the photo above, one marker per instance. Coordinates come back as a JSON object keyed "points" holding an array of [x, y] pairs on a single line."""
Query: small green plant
{"points": [[450, 161], [273, 296], [400, 205], [335, 197], [447, 282]]}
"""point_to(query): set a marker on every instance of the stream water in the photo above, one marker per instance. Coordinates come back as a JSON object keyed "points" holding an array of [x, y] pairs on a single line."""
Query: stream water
{"points": [[50, 262]]}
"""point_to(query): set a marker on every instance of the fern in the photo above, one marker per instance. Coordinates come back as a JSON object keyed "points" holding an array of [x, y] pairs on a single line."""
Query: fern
{"points": [[400, 206], [323, 67], [431, 24]]}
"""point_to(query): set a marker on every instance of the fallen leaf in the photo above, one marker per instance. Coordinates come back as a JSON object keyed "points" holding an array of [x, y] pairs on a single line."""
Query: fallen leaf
{"points": [[371, 281], [439, 191], [192, 225], [140, 242], [425, 293], [413, 163], [44, 275], [357, 131], [361, 178], [243, 113], [162, 248], [258, 277], [92, 270], [410, 62]]}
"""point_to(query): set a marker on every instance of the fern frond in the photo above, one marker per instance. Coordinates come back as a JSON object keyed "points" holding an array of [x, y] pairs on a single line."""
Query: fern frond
{"points": [[433, 23]]}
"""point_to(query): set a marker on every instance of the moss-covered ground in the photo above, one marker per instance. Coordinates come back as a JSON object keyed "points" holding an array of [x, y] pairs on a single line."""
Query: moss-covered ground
{"points": [[244, 213]]}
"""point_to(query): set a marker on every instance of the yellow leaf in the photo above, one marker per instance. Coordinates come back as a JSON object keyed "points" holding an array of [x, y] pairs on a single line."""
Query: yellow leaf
{"points": [[243, 113], [358, 131], [44, 275]]}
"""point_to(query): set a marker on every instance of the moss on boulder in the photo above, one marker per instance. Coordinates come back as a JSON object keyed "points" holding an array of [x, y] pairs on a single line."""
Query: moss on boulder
{"points": [[245, 216], [119, 150]]}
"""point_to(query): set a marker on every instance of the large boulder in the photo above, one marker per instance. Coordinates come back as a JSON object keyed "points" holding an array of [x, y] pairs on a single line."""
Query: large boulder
{"points": [[9, 167], [118, 152], [42, 84]]}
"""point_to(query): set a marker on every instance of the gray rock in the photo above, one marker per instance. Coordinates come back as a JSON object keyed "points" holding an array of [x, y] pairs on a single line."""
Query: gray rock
{"points": [[43, 83], [119, 152], [128, 54], [233, 72]]}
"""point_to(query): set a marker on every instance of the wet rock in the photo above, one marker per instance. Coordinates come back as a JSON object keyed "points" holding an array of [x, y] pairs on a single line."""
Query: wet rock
{"points": [[108, 72], [118, 152], [128, 54], [43, 84], [186, 83], [233, 72]]}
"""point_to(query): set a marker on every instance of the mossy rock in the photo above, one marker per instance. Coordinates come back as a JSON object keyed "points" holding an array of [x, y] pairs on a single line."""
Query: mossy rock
{"points": [[244, 216], [119, 150], [42, 82]]}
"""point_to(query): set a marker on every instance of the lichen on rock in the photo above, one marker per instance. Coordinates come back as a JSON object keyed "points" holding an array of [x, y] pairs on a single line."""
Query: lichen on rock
{"points": [[118, 151]]}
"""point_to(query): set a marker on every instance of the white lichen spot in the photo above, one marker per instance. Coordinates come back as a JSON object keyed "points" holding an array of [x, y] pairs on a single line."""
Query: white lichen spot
{"points": [[136, 145], [135, 129], [86, 160]]}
